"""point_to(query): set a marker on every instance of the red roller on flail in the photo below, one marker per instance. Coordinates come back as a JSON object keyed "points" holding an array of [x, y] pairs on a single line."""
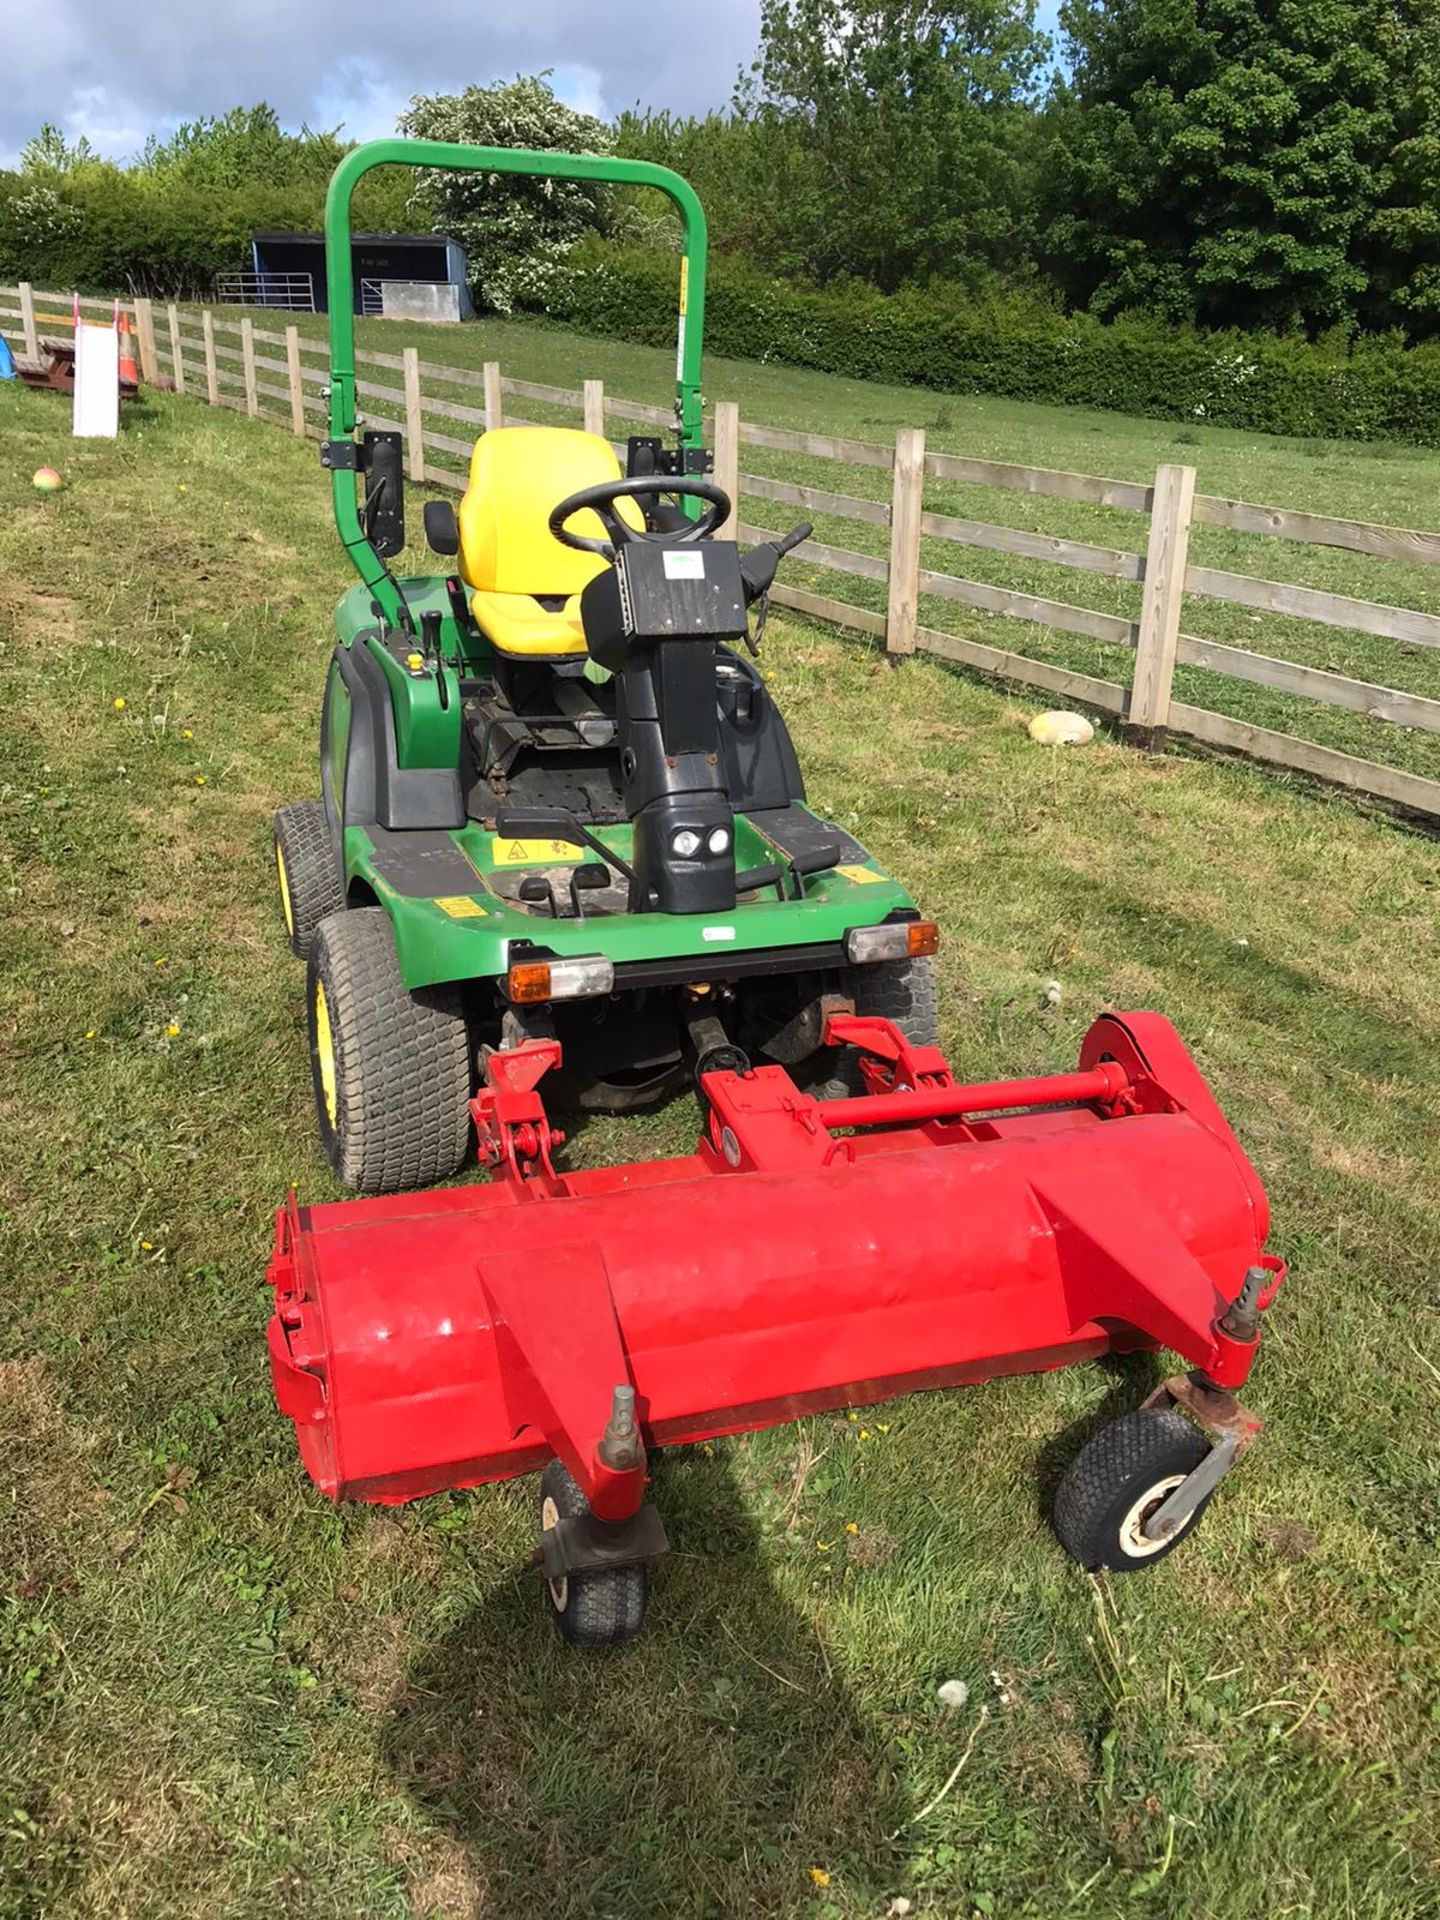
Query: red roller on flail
{"points": [[808, 1255]]}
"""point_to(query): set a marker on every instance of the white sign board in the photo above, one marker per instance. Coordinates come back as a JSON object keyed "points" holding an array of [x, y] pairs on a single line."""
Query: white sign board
{"points": [[97, 383]]}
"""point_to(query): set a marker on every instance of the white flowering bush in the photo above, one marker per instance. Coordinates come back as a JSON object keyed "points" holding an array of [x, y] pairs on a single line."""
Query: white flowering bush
{"points": [[517, 231]]}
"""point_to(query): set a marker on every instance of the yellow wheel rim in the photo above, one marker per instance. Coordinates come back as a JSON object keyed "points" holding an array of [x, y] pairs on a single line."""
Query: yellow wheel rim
{"points": [[325, 1052], [284, 879]]}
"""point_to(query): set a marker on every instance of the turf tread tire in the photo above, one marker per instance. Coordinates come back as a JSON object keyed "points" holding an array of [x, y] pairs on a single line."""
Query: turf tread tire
{"points": [[302, 837], [402, 1061], [898, 990], [1110, 1472], [601, 1609]]}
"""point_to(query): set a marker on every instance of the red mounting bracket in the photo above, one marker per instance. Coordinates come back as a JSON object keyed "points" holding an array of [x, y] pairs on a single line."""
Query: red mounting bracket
{"points": [[513, 1137]]}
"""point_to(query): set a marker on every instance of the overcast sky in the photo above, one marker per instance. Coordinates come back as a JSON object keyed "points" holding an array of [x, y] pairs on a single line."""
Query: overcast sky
{"points": [[116, 70]]}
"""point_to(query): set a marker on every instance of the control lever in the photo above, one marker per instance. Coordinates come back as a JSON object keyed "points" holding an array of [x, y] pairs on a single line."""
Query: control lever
{"points": [[757, 571], [514, 824]]}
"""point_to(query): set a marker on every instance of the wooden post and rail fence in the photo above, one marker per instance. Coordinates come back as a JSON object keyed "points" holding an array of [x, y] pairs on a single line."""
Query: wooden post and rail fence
{"points": [[280, 375]]}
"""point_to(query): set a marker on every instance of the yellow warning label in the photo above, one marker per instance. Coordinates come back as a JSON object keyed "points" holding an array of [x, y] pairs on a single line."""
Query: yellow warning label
{"points": [[684, 284], [862, 876], [460, 906], [535, 853]]}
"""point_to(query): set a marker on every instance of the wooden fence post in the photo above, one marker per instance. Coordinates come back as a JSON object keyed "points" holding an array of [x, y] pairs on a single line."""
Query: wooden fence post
{"points": [[247, 358], [903, 612], [595, 407], [1148, 714], [494, 406], [297, 381], [172, 318], [727, 461], [145, 333], [414, 418], [212, 371], [27, 320]]}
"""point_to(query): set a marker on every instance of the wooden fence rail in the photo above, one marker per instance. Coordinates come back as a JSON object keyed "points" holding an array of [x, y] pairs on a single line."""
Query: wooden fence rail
{"points": [[230, 359]]}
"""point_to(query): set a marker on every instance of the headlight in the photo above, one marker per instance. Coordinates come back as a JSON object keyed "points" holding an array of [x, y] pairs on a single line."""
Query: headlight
{"points": [[719, 840], [686, 843], [529, 981], [897, 940]]}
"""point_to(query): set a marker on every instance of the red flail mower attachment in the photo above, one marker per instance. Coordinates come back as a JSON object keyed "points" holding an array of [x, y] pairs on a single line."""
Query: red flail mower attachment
{"points": [[808, 1255]]}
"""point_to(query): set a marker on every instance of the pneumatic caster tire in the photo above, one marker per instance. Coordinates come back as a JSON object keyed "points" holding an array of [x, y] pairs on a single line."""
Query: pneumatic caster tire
{"points": [[601, 1609], [1117, 1480], [391, 1069], [305, 872]]}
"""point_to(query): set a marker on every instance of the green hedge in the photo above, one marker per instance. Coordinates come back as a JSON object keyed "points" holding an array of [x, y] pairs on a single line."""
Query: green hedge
{"points": [[940, 337]]}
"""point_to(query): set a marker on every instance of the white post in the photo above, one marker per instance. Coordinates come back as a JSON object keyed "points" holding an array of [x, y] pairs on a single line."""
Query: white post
{"points": [[145, 331], [595, 407], [414, 418], [727, 461], [247, 358], [212, 371], [1148, 714], [903, 613], [172, 316], [297, 382], [494, 407], [27, 321]]}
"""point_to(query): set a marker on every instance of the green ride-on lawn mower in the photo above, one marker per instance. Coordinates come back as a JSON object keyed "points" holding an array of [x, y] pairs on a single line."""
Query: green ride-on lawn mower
{"points": [[558, 799]]}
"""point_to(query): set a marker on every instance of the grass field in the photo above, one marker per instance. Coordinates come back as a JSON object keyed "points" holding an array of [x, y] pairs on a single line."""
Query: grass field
{"points": [[222, 1697], [1392, 484]]}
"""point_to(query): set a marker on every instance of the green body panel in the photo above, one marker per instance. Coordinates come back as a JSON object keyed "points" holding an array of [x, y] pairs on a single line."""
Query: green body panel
{"points": [[339, 275], [436, 943]]}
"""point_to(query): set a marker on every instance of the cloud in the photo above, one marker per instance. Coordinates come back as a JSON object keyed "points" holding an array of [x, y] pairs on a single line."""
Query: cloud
{"points": [[116, 72]]}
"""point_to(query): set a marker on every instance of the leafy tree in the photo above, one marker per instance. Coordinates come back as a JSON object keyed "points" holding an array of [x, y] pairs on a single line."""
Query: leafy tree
{"points": [[243, 147], [51, 152], [1221, 160], [517, 231], [1405, 233], [907, 126]]}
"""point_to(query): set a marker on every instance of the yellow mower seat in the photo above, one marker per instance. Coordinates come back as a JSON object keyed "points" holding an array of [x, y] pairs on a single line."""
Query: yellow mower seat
{"points": [[509, 558]]}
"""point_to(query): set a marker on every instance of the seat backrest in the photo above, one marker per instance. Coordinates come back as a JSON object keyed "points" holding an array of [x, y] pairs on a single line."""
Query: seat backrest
{"points": [[518, 475]]}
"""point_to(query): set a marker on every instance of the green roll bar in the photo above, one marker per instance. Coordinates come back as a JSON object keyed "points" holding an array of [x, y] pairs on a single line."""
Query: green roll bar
{"points": [[340, 282]]}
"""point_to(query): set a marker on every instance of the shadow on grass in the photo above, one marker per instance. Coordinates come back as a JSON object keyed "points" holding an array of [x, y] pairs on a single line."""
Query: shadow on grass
{"points": [[704, 1769]]}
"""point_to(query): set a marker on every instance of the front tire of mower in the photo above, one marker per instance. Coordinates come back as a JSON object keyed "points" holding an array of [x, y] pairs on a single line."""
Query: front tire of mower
{"points": [[898, 990], [590, 1609], [391, 1069], [1117, 1480], [305, 872]]}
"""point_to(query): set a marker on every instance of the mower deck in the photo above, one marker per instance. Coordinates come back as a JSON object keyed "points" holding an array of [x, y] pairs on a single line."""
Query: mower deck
{"points": [[788, 1265]]}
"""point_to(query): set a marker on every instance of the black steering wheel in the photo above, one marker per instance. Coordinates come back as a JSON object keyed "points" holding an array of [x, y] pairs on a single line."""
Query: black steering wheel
{"points": [[601, 500]]}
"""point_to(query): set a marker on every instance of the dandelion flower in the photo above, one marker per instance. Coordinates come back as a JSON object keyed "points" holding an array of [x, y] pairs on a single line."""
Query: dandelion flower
{"points": [[199, 779], [119, 704], [820, 1877], [852, 1526], [173, 1029]]}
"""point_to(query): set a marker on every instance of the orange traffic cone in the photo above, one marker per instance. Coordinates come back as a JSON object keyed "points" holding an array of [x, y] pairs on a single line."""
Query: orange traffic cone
{"points": [[129, 372]]}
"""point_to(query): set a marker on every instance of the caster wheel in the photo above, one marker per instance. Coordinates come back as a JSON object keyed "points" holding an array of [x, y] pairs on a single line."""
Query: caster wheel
{"points": [[1117, 1480], [305, 872], [590, 1609]]}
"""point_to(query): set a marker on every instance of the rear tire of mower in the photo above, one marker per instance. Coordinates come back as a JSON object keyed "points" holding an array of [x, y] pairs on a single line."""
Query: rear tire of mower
{"points": [[590, 1609], [305, 869], [391, 1069], [1120, 1477], [898, 990]]}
